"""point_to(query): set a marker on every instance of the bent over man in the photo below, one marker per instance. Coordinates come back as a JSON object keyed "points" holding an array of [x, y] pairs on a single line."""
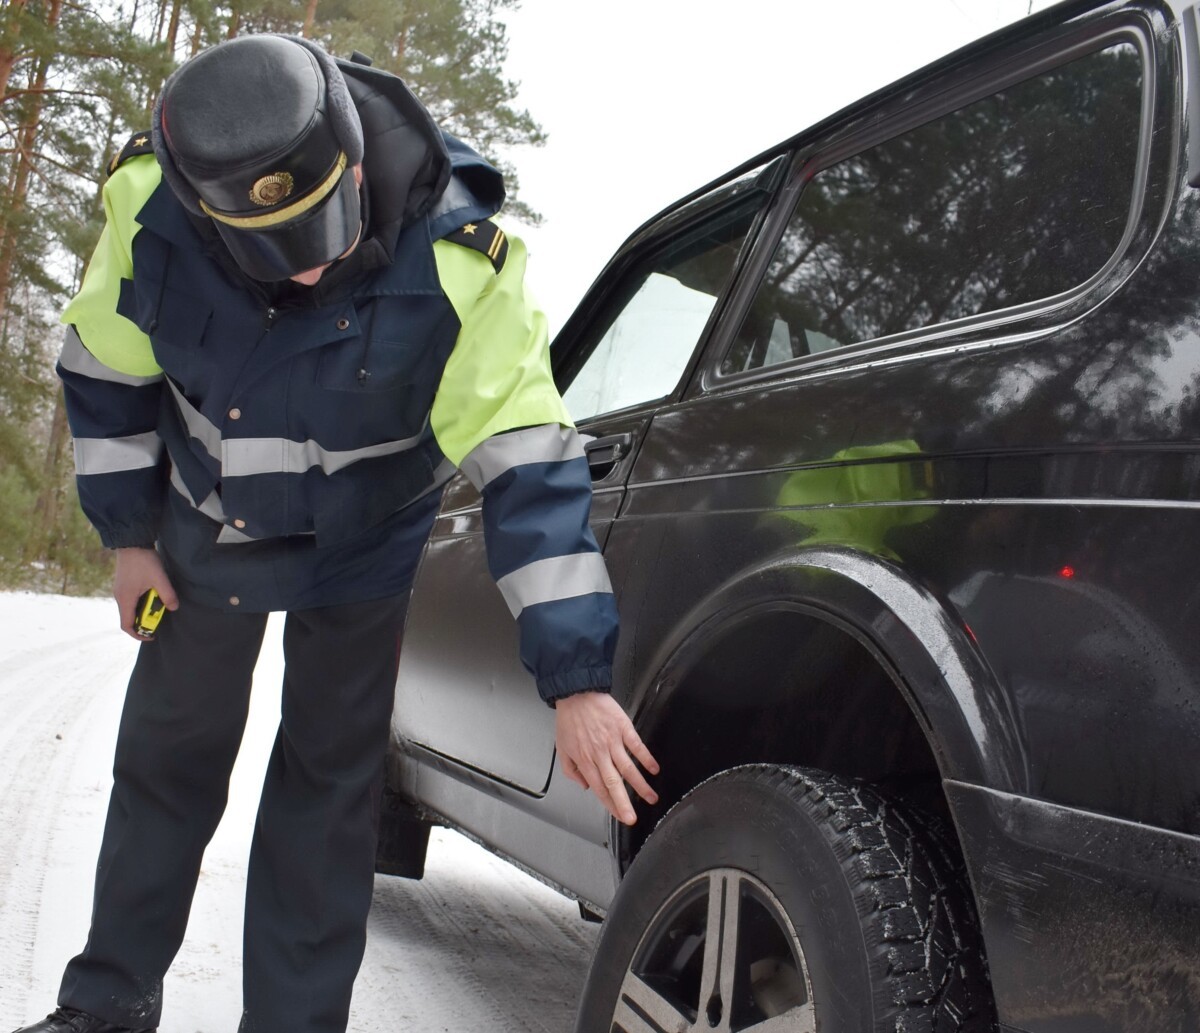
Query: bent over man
{"points": [[298, 321]]}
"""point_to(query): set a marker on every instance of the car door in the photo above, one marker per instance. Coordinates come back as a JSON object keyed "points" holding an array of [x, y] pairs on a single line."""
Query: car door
{"points": [[462, 692]]}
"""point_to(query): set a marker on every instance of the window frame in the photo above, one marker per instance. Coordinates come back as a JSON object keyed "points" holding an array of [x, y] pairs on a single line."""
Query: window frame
{"points": [[897, 114], [608, 297]]}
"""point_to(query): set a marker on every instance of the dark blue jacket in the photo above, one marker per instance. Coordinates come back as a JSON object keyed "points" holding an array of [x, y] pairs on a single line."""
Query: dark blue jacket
{"points": [[303, 446]]}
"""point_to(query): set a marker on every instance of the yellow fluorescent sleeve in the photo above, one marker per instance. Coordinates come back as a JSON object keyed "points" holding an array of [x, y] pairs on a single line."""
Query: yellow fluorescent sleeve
{"points": [[109, 336], [498, 377]]}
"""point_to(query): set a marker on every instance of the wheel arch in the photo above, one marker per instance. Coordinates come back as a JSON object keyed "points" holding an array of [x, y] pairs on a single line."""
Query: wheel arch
{"points": [[778, 664]]}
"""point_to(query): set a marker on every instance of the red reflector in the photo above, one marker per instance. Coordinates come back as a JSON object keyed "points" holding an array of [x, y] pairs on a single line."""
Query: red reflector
{"points": [[1067, 572]]}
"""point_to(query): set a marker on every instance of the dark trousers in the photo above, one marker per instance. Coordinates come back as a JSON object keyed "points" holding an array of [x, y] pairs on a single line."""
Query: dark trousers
{"points": [[312, 859]]}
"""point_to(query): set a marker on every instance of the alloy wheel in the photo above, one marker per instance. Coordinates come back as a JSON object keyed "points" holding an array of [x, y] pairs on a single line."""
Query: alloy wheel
{"points": [[720, 956]]}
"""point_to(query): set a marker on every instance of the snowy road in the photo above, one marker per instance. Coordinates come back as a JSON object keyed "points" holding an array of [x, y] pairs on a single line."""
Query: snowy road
{"points": [[475, 946]]}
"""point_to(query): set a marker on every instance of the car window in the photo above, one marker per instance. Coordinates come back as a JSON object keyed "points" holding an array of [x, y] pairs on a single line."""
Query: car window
{"points": [[1017, 197], [662, 305]]}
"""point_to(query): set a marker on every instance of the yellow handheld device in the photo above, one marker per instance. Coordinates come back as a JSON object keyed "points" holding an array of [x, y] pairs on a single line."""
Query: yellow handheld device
{"points": [[149, 612]]}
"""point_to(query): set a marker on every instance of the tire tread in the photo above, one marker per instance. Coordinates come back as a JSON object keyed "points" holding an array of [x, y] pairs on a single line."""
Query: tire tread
{"points": [[911, 885]]}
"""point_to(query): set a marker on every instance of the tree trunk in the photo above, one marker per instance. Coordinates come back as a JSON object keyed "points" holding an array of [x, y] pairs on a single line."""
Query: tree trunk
{"points": [[173, 27], [160, 20], [310, 16], [9, 55]]}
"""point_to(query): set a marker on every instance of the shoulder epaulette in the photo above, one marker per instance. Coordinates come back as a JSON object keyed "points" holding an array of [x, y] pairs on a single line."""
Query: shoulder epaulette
{"points": [[139, 143], [483, 236]]}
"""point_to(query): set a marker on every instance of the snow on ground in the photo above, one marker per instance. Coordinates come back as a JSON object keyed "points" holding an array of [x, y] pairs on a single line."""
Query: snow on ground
{"points": [[475, 946]]}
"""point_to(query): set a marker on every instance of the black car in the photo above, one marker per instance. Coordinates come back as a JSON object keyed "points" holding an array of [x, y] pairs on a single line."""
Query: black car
{"points": [[895, 435]]}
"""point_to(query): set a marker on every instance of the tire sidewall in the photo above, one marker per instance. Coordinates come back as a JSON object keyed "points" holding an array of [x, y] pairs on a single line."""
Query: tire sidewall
{"points": [[739, 820]]}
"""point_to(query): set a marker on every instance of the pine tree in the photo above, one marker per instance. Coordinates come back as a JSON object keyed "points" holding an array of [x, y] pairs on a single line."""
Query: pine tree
{"points": [[450, 52]]}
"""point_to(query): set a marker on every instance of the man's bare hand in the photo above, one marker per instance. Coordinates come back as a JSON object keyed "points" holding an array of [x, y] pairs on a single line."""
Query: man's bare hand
{"points": [[137, 571], [597, 746]]}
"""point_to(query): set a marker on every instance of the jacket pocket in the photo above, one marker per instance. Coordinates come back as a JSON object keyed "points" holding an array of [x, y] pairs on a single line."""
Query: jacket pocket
{"points": [[358, 367]]}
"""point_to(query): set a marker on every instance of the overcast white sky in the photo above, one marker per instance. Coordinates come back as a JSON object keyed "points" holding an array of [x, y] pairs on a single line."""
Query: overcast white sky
{"points": [[645, 100]]}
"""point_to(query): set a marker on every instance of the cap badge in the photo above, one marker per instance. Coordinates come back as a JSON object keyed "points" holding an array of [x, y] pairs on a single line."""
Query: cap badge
{"points": [[272, 189]]}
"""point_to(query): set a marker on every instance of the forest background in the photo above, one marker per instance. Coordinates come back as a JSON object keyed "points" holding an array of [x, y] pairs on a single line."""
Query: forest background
{"points": [[77, 78]]}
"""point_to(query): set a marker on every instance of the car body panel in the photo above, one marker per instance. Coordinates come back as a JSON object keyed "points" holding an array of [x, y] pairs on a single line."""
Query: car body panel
{"points": [[1091, 920]]}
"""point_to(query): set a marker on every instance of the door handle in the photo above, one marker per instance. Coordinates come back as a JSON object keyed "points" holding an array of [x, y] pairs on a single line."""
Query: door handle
{"points": [[604, 453]]}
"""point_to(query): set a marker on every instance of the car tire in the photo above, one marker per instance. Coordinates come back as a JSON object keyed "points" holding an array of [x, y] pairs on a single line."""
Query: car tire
{"points": [[786, 900]]}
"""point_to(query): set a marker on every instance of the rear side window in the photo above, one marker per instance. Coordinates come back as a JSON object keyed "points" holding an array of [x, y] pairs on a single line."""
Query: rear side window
{"points": [[1017, 197]]}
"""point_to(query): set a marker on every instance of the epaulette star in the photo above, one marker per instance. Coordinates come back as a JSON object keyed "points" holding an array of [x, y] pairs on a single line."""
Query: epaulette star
{"points": [[483, 236], [139, 143]]}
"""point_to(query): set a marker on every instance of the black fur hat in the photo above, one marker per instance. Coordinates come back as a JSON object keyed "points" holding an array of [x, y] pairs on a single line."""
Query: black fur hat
{"points": [[260, 135]]}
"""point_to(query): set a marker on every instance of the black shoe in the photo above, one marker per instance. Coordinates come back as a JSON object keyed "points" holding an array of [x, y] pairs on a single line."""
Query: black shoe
{"points": [[71, 1020]]}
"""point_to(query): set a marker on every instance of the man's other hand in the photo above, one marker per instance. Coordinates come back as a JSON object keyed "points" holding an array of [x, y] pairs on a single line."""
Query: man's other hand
{"points": [[598, 746], [137, 571]]}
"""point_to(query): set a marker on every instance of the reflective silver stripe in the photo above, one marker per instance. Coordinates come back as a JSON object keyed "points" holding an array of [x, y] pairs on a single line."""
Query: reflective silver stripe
{"points": [[198, 425], [560, 577], [229, 535], [77, 359], [246, 457], [442, 475], [114, 455], [211, 508], [549, 443], [232, 536]]}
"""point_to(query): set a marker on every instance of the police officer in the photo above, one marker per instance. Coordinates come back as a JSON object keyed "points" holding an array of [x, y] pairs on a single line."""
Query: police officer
{"points": [[298, 321]]}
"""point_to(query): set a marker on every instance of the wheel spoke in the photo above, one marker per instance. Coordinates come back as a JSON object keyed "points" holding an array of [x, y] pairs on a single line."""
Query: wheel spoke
{"points": [[720, 941], [801, 1019], [638, 999]]}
